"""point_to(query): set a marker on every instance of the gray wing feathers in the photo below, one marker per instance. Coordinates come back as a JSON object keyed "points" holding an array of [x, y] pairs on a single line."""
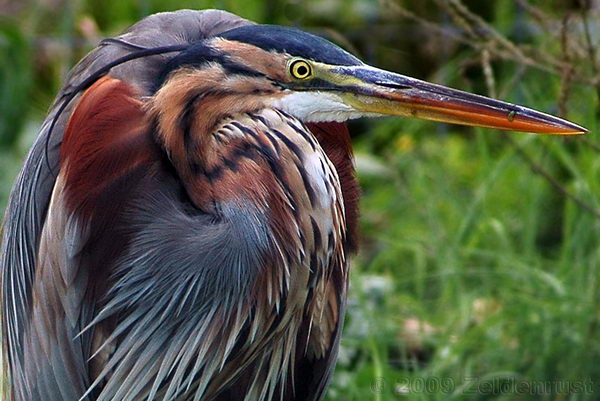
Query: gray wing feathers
{"points": [[52, 356]]}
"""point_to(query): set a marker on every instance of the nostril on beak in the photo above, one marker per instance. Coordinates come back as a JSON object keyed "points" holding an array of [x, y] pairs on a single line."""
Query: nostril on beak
{"points": [[392, 85]]}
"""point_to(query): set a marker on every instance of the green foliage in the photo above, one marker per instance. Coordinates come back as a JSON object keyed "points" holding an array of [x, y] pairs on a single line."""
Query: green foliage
{"points": [[477, 278], [15, 78]]}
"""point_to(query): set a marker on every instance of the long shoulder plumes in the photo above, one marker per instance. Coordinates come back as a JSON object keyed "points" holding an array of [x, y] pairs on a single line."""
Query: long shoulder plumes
{"points": [[98, 74]]}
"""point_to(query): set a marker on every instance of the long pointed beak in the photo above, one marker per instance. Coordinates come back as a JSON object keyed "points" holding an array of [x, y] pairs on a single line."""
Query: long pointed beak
{"points": [[372, 90]]}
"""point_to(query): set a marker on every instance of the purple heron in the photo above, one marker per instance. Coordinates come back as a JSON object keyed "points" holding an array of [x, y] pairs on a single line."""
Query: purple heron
{"points": [[180, 229]]}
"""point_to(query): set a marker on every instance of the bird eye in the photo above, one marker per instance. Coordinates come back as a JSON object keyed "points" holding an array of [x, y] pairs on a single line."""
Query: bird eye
{"points": [[300, 69]]}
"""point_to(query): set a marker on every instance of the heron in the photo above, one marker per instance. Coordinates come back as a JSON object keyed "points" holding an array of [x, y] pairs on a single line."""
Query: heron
{"points": [[182, 225]]}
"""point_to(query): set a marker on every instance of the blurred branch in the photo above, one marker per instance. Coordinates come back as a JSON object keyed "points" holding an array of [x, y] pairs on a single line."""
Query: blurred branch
{"points": [[514, 80], [480, 25], [542, 19], [568, 69], [459, 19], [538, 169], [591, 50], [591, 144], [589, 42], [537, 14], [478, 34], [488, 72], [433, 26]]}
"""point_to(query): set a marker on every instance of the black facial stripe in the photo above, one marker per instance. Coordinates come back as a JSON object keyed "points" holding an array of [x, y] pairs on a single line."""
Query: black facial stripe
{"points": [[200, 54]]}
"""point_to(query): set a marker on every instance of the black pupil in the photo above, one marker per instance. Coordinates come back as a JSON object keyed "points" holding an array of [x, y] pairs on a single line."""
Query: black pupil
{"points": [[302, 70]]}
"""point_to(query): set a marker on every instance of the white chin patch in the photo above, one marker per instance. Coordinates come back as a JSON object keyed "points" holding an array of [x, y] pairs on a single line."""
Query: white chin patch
{"points": [[318, 107]]}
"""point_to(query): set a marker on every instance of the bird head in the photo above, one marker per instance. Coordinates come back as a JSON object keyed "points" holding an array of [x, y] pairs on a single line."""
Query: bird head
{"points": [[259, 66]]}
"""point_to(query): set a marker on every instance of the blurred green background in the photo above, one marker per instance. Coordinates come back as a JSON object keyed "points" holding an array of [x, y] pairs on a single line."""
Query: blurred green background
{"points": [[478, 275]]}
